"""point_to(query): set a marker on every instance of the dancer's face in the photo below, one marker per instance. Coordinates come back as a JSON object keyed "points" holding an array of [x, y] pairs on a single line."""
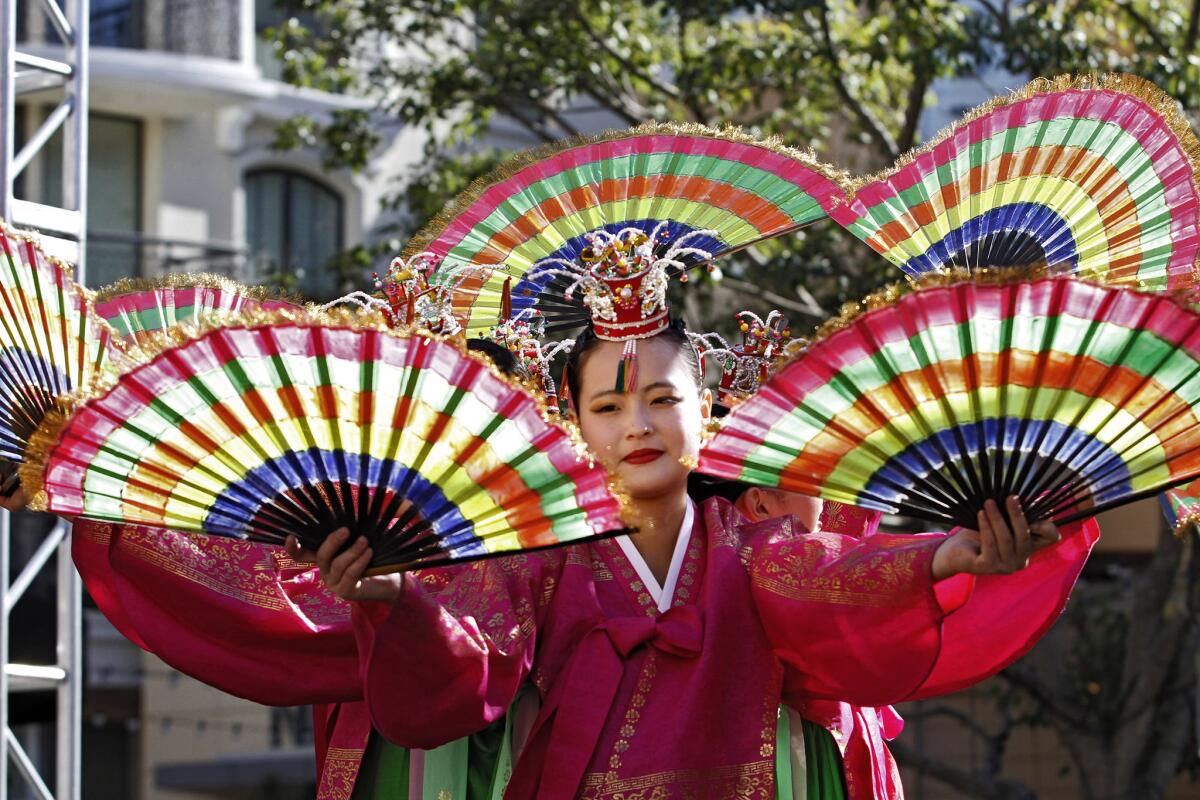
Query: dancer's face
{"points": [[648, 436]]}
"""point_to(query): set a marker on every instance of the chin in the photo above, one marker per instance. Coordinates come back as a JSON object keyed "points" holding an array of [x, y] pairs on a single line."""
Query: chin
{"points": [[644, 483]]}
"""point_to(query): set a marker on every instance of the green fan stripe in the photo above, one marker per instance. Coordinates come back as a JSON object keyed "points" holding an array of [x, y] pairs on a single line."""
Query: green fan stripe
{"points": [[1171, 366], [1132, 162], [800, 206]]}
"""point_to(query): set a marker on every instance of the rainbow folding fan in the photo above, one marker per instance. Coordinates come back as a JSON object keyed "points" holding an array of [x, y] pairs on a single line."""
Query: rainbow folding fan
{"points": [[138, 310], [51, 344], [1094, 175], [258, 430], [543, 204], [1075, 396]]}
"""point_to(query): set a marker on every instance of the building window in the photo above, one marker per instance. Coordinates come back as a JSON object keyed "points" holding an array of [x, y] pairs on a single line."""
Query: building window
{"points": [[114, 194], [116, 23], [267, 15], [114, 199], [294, 229]]}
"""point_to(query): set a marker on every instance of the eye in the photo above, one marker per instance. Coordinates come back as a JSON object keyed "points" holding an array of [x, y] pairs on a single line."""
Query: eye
{"points": [[605, 409], [666, 399]]}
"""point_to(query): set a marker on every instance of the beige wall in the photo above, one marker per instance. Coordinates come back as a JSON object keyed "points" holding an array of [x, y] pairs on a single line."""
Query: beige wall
{"points": [[167, 694]]}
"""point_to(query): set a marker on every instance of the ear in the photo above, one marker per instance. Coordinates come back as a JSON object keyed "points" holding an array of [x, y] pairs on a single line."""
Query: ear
{"points": [[756, 504], [706, 401]]}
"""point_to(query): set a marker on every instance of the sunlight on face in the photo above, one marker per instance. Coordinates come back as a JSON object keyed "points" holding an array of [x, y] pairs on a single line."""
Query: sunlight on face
{"points": [[644, 436]]}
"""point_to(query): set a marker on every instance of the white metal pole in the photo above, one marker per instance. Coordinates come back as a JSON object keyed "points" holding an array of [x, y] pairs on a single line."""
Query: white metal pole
{"points": [[8, 113]]}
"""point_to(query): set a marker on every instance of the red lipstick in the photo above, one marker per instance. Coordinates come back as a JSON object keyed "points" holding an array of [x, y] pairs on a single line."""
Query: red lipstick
{"points": [[644, 456]]}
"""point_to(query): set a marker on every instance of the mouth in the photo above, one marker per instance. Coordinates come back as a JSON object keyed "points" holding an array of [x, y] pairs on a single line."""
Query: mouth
{"points": [[644, 456]]}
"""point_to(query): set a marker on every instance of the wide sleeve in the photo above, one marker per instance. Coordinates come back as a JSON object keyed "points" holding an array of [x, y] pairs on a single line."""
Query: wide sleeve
{"points": [[1005, 615], [855, 620], [447, 658], [237, 616]]}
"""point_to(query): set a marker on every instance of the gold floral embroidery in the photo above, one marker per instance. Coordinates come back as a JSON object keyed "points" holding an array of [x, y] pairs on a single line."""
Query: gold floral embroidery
{"points": [[600, 570], [752, 781], [341, 768], [800, 568], [321, 606], [475, 591], [633, 713], [609, 552], [220, 567]]}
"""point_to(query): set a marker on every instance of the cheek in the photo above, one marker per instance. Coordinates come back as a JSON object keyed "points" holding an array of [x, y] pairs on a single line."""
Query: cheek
{"points": [[685, 432], [597, 435]]}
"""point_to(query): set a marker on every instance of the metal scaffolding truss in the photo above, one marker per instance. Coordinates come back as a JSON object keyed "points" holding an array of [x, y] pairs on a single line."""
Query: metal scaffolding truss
{"points": [[21, 73]]}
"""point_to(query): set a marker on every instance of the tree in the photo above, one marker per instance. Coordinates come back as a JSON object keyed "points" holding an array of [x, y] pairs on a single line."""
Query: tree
{"points": [[1115, 679], [460, 65], [452, 67], [1155, 39]]}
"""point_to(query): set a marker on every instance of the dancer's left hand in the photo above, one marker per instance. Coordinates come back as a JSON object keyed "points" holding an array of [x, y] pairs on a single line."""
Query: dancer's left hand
{"points": [[994, 548]]}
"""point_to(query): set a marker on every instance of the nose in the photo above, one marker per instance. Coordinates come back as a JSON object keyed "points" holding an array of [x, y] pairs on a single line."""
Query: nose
{"points": [[639, 423]]}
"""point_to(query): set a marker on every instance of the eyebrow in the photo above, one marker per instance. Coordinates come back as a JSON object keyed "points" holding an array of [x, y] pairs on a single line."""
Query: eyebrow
{"points": [[655, 385]]}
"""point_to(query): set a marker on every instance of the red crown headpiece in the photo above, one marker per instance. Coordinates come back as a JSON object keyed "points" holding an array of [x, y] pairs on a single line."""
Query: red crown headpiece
{"points": [[624, 283], [746, 366], [521, 334], [414, 292]]}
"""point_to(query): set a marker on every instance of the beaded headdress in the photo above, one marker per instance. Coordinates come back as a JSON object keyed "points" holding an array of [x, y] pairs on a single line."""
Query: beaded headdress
{"points": [[623, 278]]}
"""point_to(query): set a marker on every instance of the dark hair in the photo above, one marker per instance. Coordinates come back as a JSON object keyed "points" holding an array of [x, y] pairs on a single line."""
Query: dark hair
{"points": [[675, 332], [500, 355], [702, 487]]}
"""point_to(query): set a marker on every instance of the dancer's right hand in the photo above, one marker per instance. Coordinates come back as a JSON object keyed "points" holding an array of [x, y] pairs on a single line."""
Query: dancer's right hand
{"points": [[15, 503], [345, 573]]}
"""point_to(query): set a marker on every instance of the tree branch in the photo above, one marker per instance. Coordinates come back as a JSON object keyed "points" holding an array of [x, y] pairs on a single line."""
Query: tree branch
{"points": [[922, 76], [633, 69], [865, 118], [1025, 679], [946, 711], [1193, 29], [1146, 26], [969, 782], [784, 303]]}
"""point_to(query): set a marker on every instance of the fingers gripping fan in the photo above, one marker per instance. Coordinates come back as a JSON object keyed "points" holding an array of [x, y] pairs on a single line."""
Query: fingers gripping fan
{"points": [[1076, 397], [1094, 176], [51, 344], [139, 310], [257, 431], [543, 204]]}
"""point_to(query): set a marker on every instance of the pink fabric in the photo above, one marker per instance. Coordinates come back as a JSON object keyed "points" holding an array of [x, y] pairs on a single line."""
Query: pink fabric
{"points": [[620, 685], [990, 622], [1007, 614], [848, 520], [240, 617]]}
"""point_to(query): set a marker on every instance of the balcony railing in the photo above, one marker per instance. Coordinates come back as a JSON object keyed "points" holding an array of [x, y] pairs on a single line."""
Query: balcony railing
{"points": [[112, 256]]}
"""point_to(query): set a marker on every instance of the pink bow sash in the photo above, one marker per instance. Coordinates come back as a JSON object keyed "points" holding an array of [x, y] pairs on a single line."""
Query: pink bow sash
{"points": [[568, 729]]}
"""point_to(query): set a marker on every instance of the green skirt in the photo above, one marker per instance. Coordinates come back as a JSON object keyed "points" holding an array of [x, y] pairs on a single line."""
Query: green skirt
{"points": [[478, 767]]}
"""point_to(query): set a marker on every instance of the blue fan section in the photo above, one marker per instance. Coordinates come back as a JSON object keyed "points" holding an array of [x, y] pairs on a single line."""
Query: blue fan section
{"points": [[28, 382], [1083, 457], [273, 482], [1008, 230], [571, 249]]}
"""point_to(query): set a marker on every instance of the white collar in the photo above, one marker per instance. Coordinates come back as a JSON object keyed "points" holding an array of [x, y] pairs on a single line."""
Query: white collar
{"points": [[663, 595]]}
